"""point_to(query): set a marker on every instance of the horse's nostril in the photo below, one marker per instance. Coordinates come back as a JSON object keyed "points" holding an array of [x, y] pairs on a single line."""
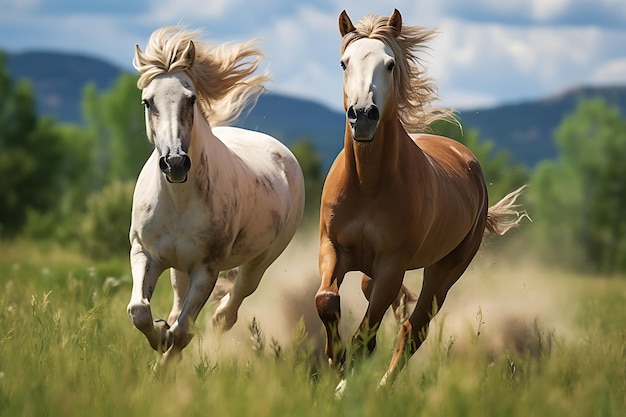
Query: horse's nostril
{"points": [[186, 162], [163, 164], [373, 113], [351, 113]]}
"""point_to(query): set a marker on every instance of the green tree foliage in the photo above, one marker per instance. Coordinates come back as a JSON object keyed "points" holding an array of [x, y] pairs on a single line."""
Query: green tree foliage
{"points": [[31, 155], [77, 179], [501, 174], [113, 152], [105, 224], [311, 163], [115, 121], [579, 199]]}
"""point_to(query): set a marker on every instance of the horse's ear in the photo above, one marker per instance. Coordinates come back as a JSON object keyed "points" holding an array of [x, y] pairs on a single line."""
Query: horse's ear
{"points": [[395, 22], [345, 24], [190, 53], [138, 58]]}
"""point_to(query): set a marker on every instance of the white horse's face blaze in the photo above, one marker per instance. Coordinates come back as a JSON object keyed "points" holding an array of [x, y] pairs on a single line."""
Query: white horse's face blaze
{"points": [[368, 66], [169, 101]]}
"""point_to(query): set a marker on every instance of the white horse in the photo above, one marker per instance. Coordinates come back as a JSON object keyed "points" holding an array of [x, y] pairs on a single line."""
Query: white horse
{"points": [[208, 199]]}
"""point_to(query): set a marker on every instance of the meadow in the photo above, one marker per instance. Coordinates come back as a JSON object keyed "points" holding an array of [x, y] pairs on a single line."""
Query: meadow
{"points": [[514, 339]]}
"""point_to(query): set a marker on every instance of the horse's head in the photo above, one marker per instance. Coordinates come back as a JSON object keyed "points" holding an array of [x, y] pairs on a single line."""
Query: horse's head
{"points": [[368, 77], [170, 103]]}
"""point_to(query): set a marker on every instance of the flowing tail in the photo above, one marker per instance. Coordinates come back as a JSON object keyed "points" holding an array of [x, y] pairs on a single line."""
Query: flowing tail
{"points": [[502, 216]]}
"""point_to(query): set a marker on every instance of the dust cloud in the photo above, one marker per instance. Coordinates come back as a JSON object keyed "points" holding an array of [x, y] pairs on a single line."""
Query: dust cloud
{"points": [[507, 300]]}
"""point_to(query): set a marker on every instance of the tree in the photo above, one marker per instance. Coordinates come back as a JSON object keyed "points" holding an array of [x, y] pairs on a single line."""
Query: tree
{"points": [[579, 199], [125, 119], [311, 164], [30, 155], [104, 226], [115, 119]]}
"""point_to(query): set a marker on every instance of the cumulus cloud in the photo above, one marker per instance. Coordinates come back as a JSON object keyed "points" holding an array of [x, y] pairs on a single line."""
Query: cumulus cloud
{"points": [[610, 73], [162, 11], [303, 51], [513, 62], [525, 12], [18, 5]]}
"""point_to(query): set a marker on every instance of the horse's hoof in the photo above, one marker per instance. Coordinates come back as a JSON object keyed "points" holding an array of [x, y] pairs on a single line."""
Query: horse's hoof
{"points": [[165, 336], [340, 389], [223, 323]]}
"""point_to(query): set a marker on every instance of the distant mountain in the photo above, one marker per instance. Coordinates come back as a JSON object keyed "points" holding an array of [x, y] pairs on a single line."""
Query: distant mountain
{"points": [[526, 130], [523, 129], [290, 119], [58, 80]]}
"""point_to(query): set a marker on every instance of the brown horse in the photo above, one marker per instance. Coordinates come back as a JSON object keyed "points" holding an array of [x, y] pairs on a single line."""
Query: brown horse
{"points": [[394, 201]]}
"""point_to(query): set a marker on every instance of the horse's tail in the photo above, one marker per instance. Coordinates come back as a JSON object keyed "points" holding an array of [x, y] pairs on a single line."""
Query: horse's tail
{"points": [[503, 215]]}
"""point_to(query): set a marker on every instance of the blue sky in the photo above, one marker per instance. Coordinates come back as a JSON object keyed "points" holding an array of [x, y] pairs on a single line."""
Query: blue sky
{"points": [[488, 52]]}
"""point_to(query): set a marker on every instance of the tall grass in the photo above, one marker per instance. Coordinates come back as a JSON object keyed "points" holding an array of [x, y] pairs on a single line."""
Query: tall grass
{"points": [[67, 348]]}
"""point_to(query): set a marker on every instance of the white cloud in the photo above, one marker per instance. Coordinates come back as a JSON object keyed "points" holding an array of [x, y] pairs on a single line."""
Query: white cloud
{"points": [[524, 12], [461, 99], [548, 9], [164, 11], [303, 51], [611, 72], [18, 5], [513, 62]]}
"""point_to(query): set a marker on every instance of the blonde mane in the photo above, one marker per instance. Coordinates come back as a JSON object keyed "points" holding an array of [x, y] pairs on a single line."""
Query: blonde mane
{"points": [[414, 91], [221, 75]]}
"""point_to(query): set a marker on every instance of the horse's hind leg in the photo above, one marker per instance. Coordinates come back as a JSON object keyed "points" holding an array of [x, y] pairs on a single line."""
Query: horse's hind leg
{"points": [[438, 279], [247, 281], [403, 304], [180, 286]]}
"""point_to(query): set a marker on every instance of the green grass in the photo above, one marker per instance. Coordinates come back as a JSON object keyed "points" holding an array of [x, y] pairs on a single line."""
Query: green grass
{"points": [[67, 348]]}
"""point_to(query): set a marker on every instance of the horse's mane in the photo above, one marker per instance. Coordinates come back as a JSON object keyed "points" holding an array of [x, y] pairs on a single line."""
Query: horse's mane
{"points": [[221, 75], [414, 91]]}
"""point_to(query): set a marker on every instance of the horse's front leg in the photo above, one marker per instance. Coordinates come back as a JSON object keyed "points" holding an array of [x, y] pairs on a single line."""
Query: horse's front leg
{"points": [[381, 292], [145, 272], [201, 283], [180, 285], [328, 304]]}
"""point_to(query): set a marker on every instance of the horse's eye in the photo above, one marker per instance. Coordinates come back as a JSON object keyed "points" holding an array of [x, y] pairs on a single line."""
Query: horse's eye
{"points": [[391, 65], [192, 100], [145, 103], [343, 65]]}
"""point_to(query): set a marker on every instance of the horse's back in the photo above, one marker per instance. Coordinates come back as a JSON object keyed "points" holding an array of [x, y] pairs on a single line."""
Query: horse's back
{"points": [[261, 152], [454, 165], [448, 152]]}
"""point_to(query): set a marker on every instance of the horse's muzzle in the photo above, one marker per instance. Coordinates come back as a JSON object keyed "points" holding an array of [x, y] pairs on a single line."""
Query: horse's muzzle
{"points": [[175, 167], [363, 122]]}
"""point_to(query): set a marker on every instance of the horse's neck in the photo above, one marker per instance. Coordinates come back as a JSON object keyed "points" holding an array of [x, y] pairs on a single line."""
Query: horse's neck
{"points": [[374, 163]]}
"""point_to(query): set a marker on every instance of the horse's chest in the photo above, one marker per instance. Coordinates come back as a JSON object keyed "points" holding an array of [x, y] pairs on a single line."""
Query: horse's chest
{"points": [[370, 230], [184, 239]]}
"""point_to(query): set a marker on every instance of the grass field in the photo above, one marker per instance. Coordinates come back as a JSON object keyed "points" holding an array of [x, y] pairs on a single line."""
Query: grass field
{"points": [[513, 339]]}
